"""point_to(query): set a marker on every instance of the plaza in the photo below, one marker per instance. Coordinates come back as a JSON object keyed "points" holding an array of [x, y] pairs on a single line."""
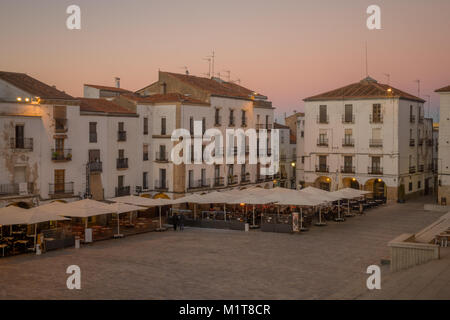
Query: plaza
{"points": [[326, 262]]}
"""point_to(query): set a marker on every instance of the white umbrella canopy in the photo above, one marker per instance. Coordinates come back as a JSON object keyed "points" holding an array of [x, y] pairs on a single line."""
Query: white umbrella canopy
{"points": [[47, 212], [87, 208], [320, 194], [13, 215], [141, 201], [350, 193], [119, 207], [193, 198], [297, 198]]}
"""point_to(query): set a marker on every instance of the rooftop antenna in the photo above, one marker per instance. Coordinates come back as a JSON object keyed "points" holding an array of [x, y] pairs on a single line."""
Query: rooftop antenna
{"points": [[228, 75], [388, 76], [185, 69], [209, 66], [418, 87], [212, 62]]}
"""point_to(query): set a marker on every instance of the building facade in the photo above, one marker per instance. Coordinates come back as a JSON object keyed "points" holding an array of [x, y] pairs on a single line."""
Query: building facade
{"points": [[443, 159], [368, 135]]}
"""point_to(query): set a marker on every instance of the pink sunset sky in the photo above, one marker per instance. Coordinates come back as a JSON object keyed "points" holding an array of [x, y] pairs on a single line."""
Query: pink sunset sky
{"points": [[287, 50]]}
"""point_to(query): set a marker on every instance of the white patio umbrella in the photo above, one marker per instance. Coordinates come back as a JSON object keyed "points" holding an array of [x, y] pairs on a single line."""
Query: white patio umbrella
{"points": [[13, 215], [118, 208], [86, 208]]}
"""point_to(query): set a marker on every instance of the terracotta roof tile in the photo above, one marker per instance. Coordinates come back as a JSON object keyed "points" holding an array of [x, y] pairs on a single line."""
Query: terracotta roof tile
{"points": [[113, 89], [214, 86], [366, 88], [444, 89], [164, 98], [279, 126], [33, 86], [101, 105]]}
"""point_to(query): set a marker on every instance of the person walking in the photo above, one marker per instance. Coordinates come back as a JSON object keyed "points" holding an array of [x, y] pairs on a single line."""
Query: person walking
{"points": [[175, 221], [181, 221]]}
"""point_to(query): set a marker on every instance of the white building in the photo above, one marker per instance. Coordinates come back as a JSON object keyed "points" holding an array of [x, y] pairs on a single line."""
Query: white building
{"points": [[296, 123], [368, 135], [287, 145], [443, 160]]}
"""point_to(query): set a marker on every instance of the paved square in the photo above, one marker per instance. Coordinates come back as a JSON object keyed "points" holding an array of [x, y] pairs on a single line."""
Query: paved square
{"points": [[327, 262]]}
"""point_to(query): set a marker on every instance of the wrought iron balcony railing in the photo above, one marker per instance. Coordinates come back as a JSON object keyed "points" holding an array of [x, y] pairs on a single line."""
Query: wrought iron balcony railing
{"points": [[375, 170], [122, 163], [61, 154], [25, 144]]}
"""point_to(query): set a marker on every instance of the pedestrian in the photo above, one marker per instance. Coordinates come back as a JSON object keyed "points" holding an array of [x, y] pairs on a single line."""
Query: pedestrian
{"points": [[175, 221], [181, 221]]}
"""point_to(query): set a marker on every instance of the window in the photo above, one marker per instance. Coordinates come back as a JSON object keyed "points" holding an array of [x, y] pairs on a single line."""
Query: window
{"points": [[267, 122], [410, 186], [121, 127], [243, 169], [230, 169], [145, 125], [163, 126], [203, 125], [162, 178], [92, 132], [376, 113], [348, 140], [419, 184], [244, 118], [303, 159], [217, 171], [121, 153], [191, 125], [20, 139], [376, 163], [145, 180], [217, 117], [231, 118], [302, 134], [191, 179], [348, 117], [203, 176], [145, 152], [59, 180], [323, 114], [120, 181], [348, 162]]}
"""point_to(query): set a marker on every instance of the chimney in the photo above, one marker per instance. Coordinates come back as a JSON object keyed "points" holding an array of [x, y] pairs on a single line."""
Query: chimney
{"points": [[117, 79]]}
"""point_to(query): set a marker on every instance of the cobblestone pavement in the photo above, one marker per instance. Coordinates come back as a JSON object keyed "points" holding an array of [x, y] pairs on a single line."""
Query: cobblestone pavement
{"points": [[326, 262]]}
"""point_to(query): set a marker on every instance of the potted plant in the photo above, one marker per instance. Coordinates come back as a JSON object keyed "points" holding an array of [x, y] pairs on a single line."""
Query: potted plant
{"points": [[54, 155], [69, 156]]}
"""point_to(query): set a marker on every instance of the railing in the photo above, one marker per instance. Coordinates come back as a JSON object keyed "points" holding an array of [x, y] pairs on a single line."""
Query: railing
{"points": [[232, 180], [145, 156], [412, 169], [122, 163], [218, 181], [245, 178], [322, 168], [348, 169], [60, 188], [25, 144], [348, 142], [283, 157], [161, 157], [92, 137], [376, 119], [375, 170], [412, 118], [60, 125], [232, 121], [95, 166], [420, 142], [161, 185], [322, 142], [375, 143], [122, 191], [14, 189], [421, 168], [198, 184], [260, 178], [217, 121], [61, 154], [323, 119], [244, 122], [430, 142], [121, 136], [412, 142], [348, 119], [421, 119]]}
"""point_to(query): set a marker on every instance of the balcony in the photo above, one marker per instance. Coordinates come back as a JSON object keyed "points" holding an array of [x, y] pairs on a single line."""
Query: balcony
{"points": [[161, 157], [375, 143], [60, 125], [412, 118], [12, 189], [376, 118], [92, 137], [121, 136], [217, 121], [412, 142], [95, 166], [267, 126], [323, 119], [412, 169], [218, 182], [420, 142], [145, 156], [232, 122], [244, 122], [122, 163], [161, 185], [232, 180], [322, 168], [60, 189], [348, 169], [430, 142], [348, 118], [375, 170], [245, 178], [260, 178], [421, 168], [122, 191], [199, 184], [421, 119], [25, 144], [322, 142], [61, 155], [348, 142]]}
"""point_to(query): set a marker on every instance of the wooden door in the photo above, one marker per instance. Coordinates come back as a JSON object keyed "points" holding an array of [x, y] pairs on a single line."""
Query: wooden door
{"points": [[59, 181]]}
